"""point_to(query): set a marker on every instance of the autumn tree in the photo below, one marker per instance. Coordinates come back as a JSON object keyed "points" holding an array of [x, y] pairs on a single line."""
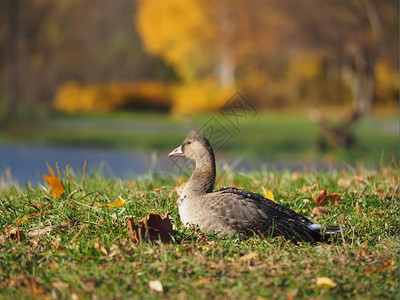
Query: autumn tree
{"points": [[284, 50]]}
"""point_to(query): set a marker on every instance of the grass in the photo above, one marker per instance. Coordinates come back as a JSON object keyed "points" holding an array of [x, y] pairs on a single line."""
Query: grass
{"points": [[273, 135], [97, 259]]}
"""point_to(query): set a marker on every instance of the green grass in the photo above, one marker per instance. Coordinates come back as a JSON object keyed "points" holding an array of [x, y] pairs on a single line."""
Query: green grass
{"points": [[97, 259], [285, 136]]}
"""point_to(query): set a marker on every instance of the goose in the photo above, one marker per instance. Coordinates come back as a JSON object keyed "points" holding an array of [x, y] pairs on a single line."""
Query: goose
{"points": [[236, 211]]}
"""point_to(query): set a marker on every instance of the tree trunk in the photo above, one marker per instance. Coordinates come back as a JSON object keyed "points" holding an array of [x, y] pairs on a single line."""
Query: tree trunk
{"points": [[12, 56]]}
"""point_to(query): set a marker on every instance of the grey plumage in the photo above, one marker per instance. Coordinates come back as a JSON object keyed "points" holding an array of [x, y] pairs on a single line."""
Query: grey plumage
{"points": [[232, 210]]}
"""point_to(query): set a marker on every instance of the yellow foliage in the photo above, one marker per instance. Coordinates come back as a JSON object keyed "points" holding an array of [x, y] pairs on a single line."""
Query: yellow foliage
{"points": [[200, 96], [268, 194], [387, 82], [305, 66], [73, 97], [120, 202], [176, 30]]}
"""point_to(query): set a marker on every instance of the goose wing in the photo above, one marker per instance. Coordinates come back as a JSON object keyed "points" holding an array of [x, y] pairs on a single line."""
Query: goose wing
{"points": [[246, 212]]}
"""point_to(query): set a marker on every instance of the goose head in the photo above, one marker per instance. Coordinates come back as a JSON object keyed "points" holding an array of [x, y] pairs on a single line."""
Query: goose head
{"points": [[196, 148]]}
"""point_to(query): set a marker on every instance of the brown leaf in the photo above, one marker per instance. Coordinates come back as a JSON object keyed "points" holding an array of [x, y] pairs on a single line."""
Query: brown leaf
{"points": [[40, 205], [321, 198], [100, 248], [57, 188], [324, 197], [381, 268], [202, 281], [43, 230], [248, 256], [16, 234], [152, 227], [59, 285], [320, 211], [114, 251]]}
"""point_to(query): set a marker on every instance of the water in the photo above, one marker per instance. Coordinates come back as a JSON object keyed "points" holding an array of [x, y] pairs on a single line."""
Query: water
{"points": [[28, 163], [21, 163]]}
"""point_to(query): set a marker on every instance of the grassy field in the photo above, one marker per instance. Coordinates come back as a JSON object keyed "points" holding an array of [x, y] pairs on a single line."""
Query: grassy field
{"points": [[289, 136], [94, 258]]}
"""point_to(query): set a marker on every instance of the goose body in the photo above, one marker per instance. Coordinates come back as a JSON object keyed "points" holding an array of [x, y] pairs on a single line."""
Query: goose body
{"points": [[231, 210]]}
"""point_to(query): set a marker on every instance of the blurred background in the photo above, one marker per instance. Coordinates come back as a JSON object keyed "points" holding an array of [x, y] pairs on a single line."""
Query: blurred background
{"points": [[120, 83]]}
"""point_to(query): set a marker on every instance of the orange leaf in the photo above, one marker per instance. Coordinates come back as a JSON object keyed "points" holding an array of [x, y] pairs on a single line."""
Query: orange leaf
{"points": [[152, 227], [324, 197], [380, 269], [57, 188]]}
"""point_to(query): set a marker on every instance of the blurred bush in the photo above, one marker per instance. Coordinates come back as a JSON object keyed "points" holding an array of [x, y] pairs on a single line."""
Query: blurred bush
{"points": [[73, 97], [387, 83], [200, 96]]}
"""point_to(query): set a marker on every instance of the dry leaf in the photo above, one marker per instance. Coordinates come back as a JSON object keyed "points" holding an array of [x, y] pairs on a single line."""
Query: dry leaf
{"points": [[41, 231], [15, 234], [344, 182], [59, 285], [268, 194], [152, 227], [156, 286], [100, 248], [324, 197], [118, 203], [57, 188], [202, 281], [319, 211], [381, 268], [323, 282], [40, 205], [114, 251], [248, 257], [22, 220]]}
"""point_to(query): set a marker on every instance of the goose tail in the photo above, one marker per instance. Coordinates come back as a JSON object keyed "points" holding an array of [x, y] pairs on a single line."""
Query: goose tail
{"points": [[328, 230]]}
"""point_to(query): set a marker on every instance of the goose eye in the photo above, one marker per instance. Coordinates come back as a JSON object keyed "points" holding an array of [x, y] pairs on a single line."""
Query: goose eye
{"points": [[188, 142]]}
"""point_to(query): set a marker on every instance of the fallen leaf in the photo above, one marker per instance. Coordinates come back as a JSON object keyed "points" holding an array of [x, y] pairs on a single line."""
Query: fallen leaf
{"points": [[248, 256], [323, 197], [381, 268], [202, 281], [268, 194], [59, 285], [323, 282], [28, 285], [100, 248], [118, 203], [22, 220], [15, 234], [57, 188], [344, 182], [319, 211], [291, 294], [114, 251], [41, 231], [40, 205], [156, 286], [273, 267], [152, 227], [296, 175]]}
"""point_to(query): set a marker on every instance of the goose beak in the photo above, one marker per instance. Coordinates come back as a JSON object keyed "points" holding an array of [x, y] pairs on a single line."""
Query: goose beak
{"points": [[176, 152]]}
